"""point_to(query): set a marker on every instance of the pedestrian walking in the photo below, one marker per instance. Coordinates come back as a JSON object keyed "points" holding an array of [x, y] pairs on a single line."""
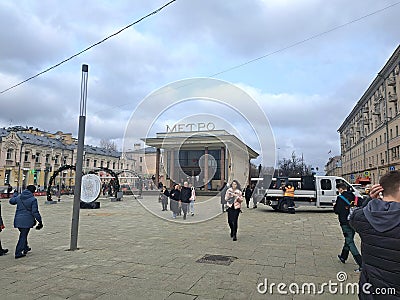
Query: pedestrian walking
{"points": [[186, 193], [342, 209], [247, 195], [26, 215], [175, 196], [378, 225], [164, 194], [2, 250], [192, 199], [223, 190], [9, 189], [234, 201]]}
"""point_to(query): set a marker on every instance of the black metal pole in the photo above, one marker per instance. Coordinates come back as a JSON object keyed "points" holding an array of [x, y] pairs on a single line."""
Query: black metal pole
{"points": [[79, 160]]}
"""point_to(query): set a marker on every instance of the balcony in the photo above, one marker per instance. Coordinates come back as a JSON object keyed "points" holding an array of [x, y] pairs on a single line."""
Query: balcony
{"points": [[392, 97], [38, 165], [27, 164], [9, 163], [391, 81]]}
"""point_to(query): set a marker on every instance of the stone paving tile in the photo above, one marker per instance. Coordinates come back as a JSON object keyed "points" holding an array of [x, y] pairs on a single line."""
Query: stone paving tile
{"points": [[127, 253]]}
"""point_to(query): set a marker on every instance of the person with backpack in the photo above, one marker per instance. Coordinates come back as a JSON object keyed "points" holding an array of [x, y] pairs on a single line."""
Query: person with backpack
{"points": [[26, 215], [344, 202]]}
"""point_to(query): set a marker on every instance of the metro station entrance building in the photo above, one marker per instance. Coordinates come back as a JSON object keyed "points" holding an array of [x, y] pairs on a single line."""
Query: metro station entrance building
{"points": [[205, 158]]}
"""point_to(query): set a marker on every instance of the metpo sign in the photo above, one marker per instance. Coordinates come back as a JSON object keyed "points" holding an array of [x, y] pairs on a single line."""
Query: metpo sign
{"points": [[181, 127]]}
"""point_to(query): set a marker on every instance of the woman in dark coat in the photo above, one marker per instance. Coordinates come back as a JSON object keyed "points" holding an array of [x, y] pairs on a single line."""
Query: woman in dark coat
{"points": [[175, 196], [2, 251], [26, 215], [164, 194], [247, 195]]}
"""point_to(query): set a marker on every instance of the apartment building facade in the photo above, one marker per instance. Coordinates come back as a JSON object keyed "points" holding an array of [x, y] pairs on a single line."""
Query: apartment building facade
{"points": [[369, 136], [31, 156]]}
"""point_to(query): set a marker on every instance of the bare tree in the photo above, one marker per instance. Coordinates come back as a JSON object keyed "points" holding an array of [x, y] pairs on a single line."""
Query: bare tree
{"points": [[292, 167], [108, 144]]}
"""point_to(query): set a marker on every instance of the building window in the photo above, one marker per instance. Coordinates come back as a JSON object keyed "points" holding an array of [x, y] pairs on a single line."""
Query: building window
{"points": [[397, 130], [140, 169], [140, 159], [64, 160], [122, 166], [101, 164], [391, 133], [56, 160], [114, 165], [9, 154], [47, 158], [26, 156], [108, 164], [95, 163], [37, 157], [87, 163]]}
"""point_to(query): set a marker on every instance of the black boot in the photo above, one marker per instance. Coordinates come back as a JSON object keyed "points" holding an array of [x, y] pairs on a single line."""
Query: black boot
{"points": [[2, 251], [358, 260], [343, 256]]}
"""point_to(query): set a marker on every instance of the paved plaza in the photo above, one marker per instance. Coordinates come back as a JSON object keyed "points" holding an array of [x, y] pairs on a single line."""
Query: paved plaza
{"points": [[126, 252]]}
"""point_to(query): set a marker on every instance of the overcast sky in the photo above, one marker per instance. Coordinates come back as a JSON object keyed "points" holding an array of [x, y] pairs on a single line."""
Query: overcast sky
{"points": [[306, 91]]}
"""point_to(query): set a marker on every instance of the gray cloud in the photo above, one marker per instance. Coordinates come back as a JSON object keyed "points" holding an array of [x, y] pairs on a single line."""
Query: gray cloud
{"points": [[318, 82]]}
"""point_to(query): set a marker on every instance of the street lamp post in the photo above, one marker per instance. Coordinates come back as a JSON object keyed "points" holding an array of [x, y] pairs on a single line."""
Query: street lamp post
{"points": [[79, 160]]}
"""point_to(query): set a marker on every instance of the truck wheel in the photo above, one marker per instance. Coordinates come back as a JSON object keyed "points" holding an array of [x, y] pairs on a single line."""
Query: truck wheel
{"points": [[284, 206]]}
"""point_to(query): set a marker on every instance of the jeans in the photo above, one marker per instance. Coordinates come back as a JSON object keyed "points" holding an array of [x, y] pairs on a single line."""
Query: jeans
{"points": [[349, 245], [164, 203], [22, 241], [185, 208], [233, 216], [191, 206]]}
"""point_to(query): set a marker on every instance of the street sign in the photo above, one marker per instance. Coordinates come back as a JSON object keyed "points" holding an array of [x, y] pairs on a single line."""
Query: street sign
{"points": [[392, 168], [352, 176], [366, 173]]}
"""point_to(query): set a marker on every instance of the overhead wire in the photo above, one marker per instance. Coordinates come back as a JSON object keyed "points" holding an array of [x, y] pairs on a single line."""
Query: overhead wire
{"points": [[283, 48], [89, 47]]}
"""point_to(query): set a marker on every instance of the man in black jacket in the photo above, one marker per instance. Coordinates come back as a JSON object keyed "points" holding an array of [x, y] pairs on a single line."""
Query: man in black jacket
{"points": [[186, 193], [378, 225], [342, 209]]}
